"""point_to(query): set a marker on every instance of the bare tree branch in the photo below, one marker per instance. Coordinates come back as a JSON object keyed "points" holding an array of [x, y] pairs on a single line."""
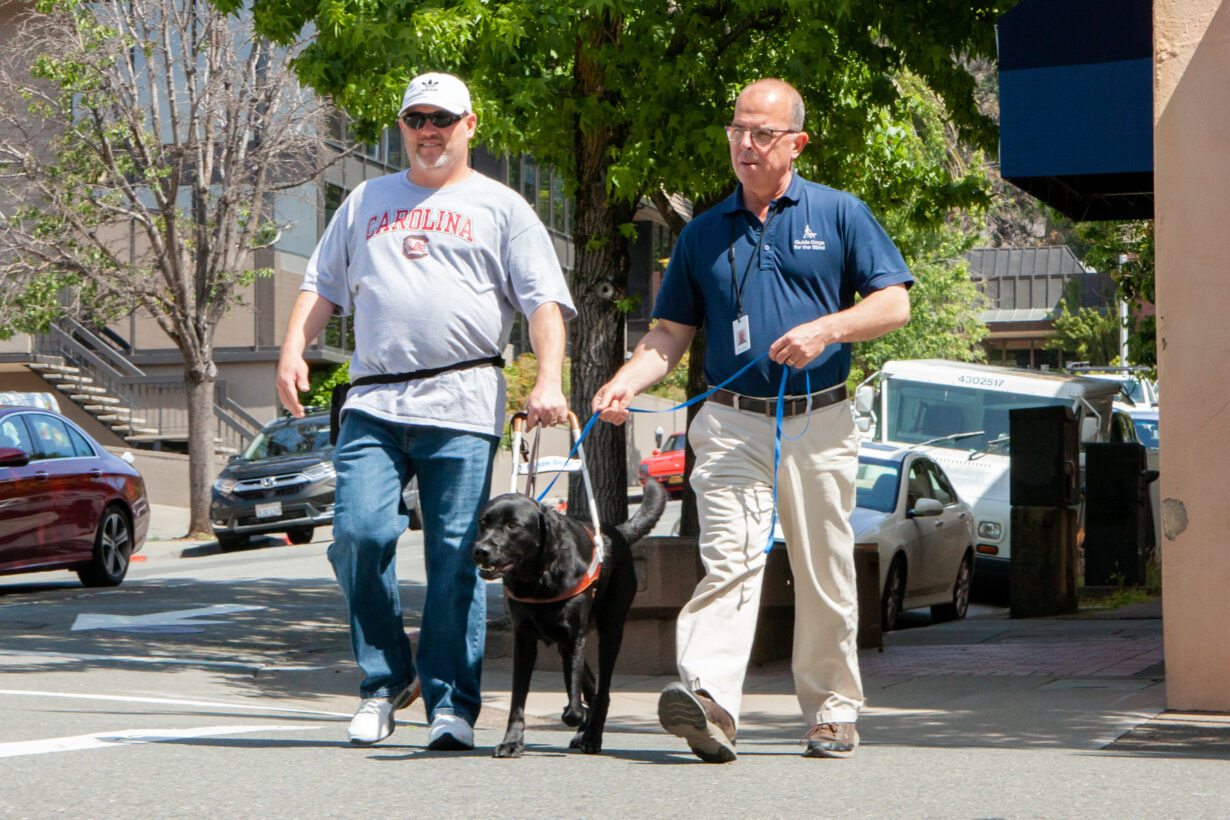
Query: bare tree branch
{"points": [[166, 119]]}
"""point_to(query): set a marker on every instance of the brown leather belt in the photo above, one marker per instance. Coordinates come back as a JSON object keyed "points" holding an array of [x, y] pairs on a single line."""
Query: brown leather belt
{"points": [[792, 406]]}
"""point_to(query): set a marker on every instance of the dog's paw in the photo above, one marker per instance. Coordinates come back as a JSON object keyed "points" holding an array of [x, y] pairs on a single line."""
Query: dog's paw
{"points": [[588, 745], [508, 750], [573, 717]]}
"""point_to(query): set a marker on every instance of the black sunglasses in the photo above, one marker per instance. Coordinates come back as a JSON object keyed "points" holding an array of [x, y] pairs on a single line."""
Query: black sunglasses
{"points": [[440, 119]]}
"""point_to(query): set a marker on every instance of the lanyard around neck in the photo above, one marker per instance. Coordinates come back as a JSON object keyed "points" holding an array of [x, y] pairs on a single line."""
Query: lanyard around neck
{"points": [[735, 284]]}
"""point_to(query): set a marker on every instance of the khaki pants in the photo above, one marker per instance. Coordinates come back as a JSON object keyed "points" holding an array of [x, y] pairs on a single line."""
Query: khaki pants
{"points": [[733, 480]]}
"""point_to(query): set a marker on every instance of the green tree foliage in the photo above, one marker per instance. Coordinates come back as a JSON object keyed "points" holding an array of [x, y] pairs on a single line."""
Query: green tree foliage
{"points": [[321, 384], [1090, 334], [944, 303], [628, 99], [142, 143], [1125, 251]]}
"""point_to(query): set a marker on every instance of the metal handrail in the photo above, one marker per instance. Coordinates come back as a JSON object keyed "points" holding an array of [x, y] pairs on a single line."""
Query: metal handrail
{"points": [[159, 400], [98, 345]]}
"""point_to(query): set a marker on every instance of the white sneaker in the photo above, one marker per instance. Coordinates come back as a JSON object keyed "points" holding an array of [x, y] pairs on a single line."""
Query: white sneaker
{"points": [[373, 722], [450, 733]]}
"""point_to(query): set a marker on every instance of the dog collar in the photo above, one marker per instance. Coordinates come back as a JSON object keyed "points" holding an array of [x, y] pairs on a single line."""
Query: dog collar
{"points": [[591, 575]]}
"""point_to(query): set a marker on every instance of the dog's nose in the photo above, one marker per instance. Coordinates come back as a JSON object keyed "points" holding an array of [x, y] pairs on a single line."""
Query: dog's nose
{"points": [[481, 554]]}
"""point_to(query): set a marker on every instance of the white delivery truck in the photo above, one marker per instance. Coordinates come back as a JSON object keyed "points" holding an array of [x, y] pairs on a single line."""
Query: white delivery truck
{"points": [[958, 413]]}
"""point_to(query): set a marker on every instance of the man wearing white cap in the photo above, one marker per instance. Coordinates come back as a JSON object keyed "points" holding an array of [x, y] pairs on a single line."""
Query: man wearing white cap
{"points": [[432, 263]]}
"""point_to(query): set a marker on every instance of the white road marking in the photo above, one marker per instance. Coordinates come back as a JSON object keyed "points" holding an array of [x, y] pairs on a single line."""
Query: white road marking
{"points": [[158, 619], [255, 707], [110, 740], [157, 660]]}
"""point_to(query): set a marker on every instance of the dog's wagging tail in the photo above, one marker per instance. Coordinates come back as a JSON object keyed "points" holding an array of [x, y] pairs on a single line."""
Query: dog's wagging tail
{"points": [[556, 591]]}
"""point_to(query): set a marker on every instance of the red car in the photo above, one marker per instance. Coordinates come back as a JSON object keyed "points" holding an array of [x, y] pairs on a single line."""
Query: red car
{"points": [[65, 502], [666, 464]]}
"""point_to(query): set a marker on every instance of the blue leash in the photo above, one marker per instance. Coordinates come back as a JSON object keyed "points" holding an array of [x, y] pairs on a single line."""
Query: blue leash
{"points": [[777, 438], [589, 425]]}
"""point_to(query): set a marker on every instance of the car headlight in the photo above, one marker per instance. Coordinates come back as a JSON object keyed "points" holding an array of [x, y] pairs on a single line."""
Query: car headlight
{"points": [[990, 530], [322, 470], [225, 485]]}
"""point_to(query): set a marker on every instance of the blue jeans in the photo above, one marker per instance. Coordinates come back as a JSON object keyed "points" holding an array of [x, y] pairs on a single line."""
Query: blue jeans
{"points": [[374, 460]]}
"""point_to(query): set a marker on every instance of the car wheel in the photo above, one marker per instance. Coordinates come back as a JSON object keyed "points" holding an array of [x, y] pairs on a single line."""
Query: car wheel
{"points": [[230, 543], [300, 535], [956, 610], [112, 549], [894, 594]]}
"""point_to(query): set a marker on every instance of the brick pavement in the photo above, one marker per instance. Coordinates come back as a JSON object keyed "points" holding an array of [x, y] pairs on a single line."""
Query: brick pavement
{"points": [[1065, 657]]}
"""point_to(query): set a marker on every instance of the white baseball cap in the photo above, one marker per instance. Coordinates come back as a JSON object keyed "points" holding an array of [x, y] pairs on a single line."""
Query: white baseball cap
{"points": [[441, 90]]}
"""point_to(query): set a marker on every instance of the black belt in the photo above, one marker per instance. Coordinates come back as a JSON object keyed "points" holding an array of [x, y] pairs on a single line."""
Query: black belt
{"points": [[791, 407], [338, 398]]}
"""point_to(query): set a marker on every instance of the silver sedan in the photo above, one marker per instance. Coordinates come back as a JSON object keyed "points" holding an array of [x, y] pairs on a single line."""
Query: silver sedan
{"points": [[908, 511]]}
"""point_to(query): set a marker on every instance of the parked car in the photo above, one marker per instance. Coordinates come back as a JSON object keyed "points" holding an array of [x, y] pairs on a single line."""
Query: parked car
{"points": [[665, 464], [283, 482], [908, 511], [1145, 421], [65, 502]]}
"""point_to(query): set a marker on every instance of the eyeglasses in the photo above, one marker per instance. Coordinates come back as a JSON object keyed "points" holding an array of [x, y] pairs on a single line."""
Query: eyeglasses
{"points": [[415, 120], [760, 136]]}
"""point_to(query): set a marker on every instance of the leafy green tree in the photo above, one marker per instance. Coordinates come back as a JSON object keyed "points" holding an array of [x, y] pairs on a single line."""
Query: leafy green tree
{"points": [[322, 382], [1091, 334], [1125, 251], [944, 303], [628, 99], [142, 143]]}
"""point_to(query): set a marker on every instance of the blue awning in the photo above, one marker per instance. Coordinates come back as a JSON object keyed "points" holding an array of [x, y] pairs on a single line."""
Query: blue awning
{"points": [[1076, 105]]}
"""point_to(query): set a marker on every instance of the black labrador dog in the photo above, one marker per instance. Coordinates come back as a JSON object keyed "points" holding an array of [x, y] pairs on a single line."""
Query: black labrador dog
{"points": [[556, 589]]}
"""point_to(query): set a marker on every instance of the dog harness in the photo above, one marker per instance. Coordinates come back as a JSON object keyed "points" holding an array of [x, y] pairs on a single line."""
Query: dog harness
{"points": [[586, 582]]}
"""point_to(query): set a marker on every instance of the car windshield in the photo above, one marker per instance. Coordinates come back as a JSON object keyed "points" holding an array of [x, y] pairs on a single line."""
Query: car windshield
{"points": [[876, 485], [958, 418], [300, 437], [1146, 432], [675, 441]]}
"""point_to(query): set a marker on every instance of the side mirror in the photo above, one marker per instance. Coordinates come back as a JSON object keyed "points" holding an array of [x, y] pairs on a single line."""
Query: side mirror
{"points": [[1151, 476], [864, 400], [656, 451], [925, 508], [864, 423], [1089, 429], [13, 457]]}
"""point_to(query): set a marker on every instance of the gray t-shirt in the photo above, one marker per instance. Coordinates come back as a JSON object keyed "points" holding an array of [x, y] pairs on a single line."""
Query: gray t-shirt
{"points": [[432, 277]]}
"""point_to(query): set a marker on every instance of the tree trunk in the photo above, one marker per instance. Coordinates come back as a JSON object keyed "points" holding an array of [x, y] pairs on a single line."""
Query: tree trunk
{"points": [[199, 383], [599, 280], [598, 344], [689, 519]]}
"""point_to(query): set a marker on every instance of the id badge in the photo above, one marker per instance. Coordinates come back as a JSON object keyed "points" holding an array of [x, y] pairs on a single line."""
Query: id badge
{"points": [[743, 334]]}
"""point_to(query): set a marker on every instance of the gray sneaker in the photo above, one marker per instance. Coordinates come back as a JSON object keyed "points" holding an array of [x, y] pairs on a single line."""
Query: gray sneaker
{"points": [[695, 717], [373, 721]]}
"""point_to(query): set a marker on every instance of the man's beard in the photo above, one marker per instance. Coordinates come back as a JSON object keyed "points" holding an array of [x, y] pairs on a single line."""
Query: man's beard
{"points": [[445, 160]]}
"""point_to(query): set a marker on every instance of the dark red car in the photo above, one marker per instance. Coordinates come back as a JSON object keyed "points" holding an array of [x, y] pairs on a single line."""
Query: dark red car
{"points": [[666, 464], [65, 502]]}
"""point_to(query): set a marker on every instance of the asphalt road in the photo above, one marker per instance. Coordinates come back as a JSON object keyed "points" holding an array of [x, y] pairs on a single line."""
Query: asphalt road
{"points": [[219, 685]]}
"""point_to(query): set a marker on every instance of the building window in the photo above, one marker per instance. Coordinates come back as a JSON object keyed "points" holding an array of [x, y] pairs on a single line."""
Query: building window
{"points": [[334, 194], [395, 152]]}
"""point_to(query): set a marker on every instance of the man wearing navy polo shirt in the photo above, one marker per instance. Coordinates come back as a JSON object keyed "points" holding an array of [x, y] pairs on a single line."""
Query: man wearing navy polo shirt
{"points": [[773, 268]]}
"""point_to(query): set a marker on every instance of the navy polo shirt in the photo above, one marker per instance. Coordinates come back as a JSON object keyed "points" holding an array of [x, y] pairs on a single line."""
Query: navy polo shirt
{"points": [[821, 247]]}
